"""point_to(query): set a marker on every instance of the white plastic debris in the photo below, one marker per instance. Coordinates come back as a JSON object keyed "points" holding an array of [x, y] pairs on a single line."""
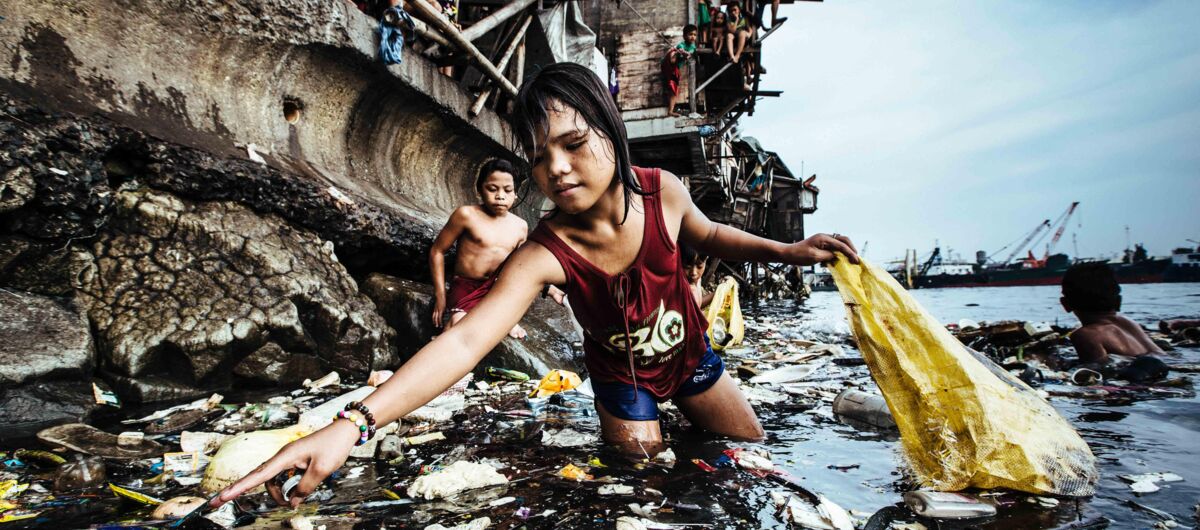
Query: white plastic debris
{"points": [[630, 523], [252, 152], [474, 524], [441, 409], [666, 457], [454, 478], [834, 349], [757, 395], [331, 378], [341, 198], [130, 438], [615, 489], [320, 416], [201, 442], [567, 437], [754, 461], [300, 522], [826, 515], [501, 501], [57, 171], [787, 374], [1148, 482], [223, 516]]}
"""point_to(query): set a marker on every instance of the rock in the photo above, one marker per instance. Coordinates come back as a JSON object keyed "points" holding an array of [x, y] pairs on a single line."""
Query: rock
{"points": [[41, 338], [270, 364], [27, 409], [38, 266], [551, 331], [16, 188], [407, 307], [152, 388], [177, 289]]}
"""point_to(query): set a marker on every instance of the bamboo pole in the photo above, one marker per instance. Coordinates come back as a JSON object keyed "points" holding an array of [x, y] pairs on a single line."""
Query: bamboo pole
{"points": [[454, 36], [518, 41], [486, 24], [423, 30]]}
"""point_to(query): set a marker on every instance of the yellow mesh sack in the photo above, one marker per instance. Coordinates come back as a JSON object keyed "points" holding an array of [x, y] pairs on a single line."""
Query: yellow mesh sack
{"points": [[724, 315], [964, 422]]}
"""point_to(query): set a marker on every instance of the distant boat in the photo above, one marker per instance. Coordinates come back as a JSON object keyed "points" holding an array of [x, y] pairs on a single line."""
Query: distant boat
{"points": [[1184, 266]]}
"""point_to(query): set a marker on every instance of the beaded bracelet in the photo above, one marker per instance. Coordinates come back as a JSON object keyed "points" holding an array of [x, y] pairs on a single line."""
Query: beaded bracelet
{"points": [[365, 423], [357, 421]]}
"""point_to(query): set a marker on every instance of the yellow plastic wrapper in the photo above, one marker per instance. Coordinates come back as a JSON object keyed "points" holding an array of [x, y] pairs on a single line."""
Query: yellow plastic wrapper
{"points": [[964, 422], [557, 381], [724, 315]]}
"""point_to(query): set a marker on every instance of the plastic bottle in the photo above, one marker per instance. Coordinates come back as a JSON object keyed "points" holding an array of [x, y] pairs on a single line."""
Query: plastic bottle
{"points": [[80, 473], [942, 505], [867, 408]]}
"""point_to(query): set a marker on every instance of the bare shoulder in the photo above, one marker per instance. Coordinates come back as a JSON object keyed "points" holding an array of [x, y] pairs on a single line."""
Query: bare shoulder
{"points": [[464, 213], [672, 189], [1089, 342]]}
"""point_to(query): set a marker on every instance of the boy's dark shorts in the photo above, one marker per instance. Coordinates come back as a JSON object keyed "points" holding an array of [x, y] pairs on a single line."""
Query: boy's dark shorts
{"points": [[618, 398]]}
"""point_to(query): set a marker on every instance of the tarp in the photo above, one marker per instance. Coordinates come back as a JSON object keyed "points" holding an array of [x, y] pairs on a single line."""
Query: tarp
{"points": [[964, 422], [570, 39]]}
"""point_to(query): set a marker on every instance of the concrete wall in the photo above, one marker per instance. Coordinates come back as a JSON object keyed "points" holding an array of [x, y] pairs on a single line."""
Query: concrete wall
{"points": [[215, 75]]}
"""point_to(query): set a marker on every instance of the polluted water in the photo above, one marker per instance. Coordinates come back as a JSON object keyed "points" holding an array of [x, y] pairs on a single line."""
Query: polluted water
{"points": [[510, 450]]}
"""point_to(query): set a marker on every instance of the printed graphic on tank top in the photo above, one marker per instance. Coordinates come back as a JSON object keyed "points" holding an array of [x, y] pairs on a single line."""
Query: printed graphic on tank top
{"points": [[649, 302]]}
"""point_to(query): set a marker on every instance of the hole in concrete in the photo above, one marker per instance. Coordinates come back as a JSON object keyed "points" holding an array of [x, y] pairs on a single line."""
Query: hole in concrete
{"points": [[292, 108], [122, 164]]}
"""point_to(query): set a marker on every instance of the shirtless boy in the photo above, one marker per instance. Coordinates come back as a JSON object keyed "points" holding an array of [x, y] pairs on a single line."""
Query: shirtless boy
{"points": [[486, 234], [693, 268], [1091, 291]]}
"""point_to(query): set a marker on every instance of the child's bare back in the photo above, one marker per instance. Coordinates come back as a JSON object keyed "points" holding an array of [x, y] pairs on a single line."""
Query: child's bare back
{"points": [[1111, 334]]}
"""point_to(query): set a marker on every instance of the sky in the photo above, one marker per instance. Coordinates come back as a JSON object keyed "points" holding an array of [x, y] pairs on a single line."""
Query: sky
{"points": [[968, 123]]}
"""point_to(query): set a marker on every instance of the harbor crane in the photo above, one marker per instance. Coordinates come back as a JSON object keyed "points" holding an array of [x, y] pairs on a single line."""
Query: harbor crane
{"points": [[1024, 242], [1062, 225]]}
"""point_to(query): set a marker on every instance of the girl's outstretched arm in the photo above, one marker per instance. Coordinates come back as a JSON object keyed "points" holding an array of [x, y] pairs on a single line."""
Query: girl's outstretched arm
{"points": [[726, 242], [430, 372]]}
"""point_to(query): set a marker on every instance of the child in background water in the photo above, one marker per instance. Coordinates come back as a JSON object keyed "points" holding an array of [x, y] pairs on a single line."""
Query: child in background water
{"points": [[610, 243], [1091, 292]]}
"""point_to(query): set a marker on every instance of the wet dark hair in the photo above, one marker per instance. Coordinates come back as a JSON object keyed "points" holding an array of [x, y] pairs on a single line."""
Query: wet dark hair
{"points": [[690, 28], [575, 86], [688, 255], [492, 166], [1091, 287]]}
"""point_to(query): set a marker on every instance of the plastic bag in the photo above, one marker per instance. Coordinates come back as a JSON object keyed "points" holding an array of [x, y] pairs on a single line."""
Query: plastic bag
{"points": [[724, 314], [964, 422], [556, 381]]}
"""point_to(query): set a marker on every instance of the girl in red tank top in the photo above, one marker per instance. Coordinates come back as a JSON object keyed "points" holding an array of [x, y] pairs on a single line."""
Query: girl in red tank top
{"points": [[611, 244]]}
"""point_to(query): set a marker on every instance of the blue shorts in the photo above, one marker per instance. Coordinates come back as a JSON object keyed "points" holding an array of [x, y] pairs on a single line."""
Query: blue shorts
{"points": [[618, 398]]}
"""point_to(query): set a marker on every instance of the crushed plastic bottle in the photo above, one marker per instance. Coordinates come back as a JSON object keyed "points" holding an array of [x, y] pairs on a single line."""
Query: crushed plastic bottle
{"points": [[943, 505], [82, 473]]}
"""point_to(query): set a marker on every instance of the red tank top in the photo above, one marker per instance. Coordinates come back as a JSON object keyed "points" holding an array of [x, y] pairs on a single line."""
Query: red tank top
{"points": [[650, 303]]}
